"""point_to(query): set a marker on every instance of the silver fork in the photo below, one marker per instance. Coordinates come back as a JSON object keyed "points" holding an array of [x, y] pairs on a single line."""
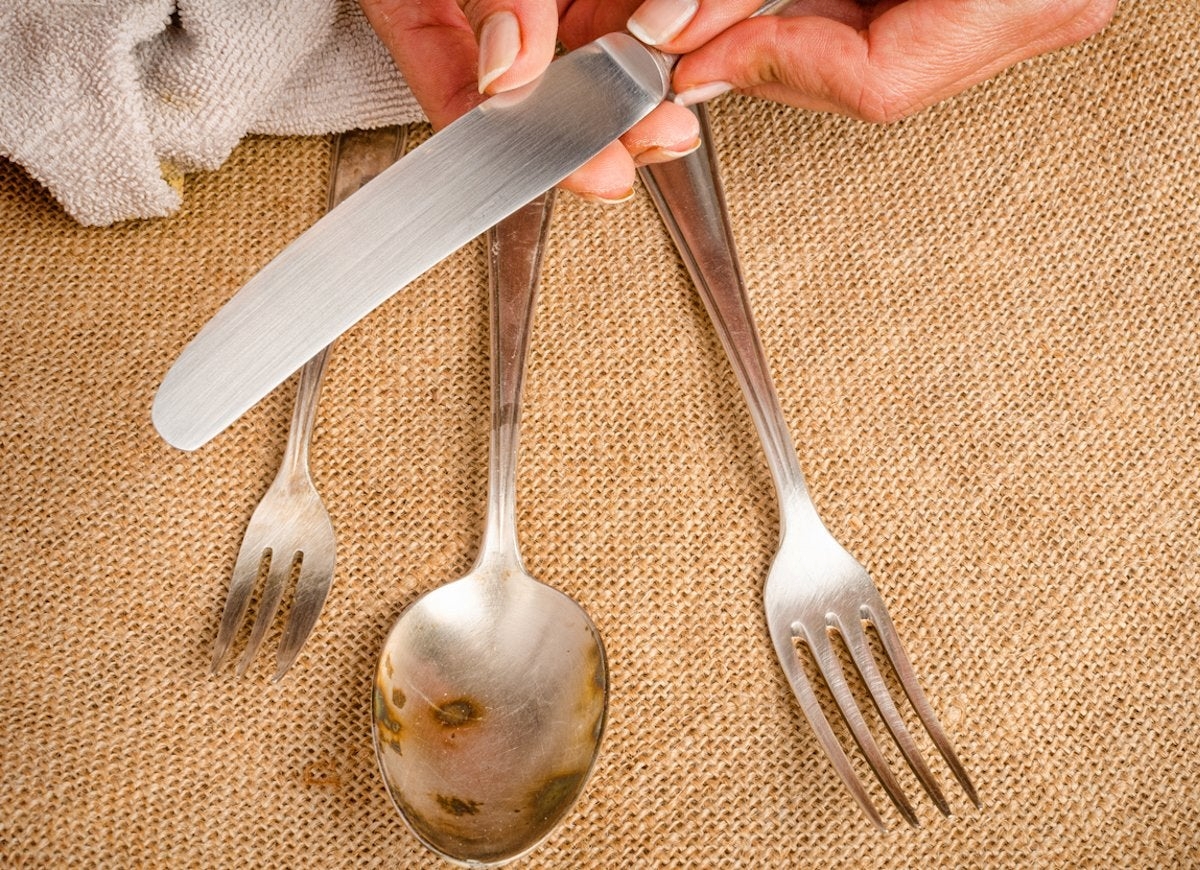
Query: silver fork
{"points": [[290, 533], [815, 586]]}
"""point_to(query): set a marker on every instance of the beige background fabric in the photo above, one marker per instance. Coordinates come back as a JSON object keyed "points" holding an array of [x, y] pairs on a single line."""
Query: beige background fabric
{"points": [[983, 322]]}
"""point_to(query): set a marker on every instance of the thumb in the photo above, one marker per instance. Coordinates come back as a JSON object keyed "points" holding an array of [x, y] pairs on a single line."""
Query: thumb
{"points": [[805, 62], [911, 54], [516, 40]]}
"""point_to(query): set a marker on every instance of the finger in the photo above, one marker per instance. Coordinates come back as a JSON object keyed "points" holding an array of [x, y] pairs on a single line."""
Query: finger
{"points": [[607, 178], [682, 25], [434, 47], [584, 21], [910, 56], [516, 40], [667, 133]]}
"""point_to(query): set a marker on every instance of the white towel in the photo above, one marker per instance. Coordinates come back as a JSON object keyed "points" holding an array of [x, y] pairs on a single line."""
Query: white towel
{"points": [[101, 100]]}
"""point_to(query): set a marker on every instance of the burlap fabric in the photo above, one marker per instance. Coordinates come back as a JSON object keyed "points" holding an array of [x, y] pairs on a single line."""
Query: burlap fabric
{"points": [[983, 322]]}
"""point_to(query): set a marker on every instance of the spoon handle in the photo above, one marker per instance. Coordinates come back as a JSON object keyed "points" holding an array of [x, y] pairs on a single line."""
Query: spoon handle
{"points": [[515, 247]]}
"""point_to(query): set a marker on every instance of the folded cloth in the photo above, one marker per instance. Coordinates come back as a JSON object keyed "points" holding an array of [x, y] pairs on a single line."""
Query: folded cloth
{"points": [[103, 100]]}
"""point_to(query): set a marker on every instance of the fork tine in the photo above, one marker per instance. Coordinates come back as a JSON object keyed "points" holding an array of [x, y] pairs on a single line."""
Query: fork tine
{"points": [[916, 696], [312, 587], [856, 642], [831, 670], [277, 575], [237, 602], [811, 708]]}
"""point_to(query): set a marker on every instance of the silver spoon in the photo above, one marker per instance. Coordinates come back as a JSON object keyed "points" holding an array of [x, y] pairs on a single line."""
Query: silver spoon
{"points": [[491, 693]]}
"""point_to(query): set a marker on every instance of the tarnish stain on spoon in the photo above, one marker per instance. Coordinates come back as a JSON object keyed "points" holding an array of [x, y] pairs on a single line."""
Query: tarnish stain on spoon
{"points": [[386, 716], [458, 713], [458, 806], [555, 791]]}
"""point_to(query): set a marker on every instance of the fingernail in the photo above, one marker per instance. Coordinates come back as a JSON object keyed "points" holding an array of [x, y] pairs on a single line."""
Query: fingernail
{"points": [[499, 43], [659, 21], [702, 93], [665, 155], [604, 200]]}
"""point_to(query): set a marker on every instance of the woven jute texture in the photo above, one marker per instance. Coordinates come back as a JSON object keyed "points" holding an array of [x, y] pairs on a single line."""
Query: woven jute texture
{"points": [[983, 323]]}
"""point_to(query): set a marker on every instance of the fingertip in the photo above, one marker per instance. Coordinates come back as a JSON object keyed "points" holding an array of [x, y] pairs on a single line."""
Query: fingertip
{"points": [[607, 178], [680, 26], [499, 45], [666, 155], [515, 47], [702, 93], [732, 61], [527, 68], [670, 131], [659, 21], [749, 54], [606, 200]]}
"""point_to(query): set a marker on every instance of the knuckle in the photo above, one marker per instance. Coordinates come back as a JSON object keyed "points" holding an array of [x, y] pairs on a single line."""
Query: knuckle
{"points": [[476, 10], [1094, 17], [881, 105], [1080, 19]]}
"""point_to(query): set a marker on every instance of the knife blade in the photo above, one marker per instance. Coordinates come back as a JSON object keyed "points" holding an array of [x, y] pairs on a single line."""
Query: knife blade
{"points": [[463, 180]]}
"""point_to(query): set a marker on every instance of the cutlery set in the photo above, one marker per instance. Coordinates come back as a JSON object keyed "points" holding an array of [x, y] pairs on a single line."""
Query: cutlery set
{"points": [[490, 696]]}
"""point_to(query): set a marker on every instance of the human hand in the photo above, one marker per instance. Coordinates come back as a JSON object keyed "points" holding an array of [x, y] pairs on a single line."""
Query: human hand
{"points": [[877, 61], [454, 53]]}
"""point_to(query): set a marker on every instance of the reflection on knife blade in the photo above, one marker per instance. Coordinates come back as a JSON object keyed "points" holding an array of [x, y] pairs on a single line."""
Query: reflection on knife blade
{"points": [[465, 179]]}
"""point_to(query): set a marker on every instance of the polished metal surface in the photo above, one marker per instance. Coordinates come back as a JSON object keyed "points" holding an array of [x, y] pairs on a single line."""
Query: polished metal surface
{"points": [[290, 532], [490, 697], [465, 179], [814, 585], [448, 191]]}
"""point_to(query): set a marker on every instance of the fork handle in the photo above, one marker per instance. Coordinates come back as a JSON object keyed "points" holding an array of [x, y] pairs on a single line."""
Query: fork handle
{"points": [[304, 412], [358, 156], [689, 196]]}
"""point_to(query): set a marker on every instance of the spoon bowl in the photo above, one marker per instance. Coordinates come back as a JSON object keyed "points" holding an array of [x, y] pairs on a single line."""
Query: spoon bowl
{"points": [[489, 705], [491, 693]]}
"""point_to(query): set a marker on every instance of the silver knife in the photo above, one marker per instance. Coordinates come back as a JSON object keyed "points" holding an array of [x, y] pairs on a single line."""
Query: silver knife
{"points": [[466, 178]]}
